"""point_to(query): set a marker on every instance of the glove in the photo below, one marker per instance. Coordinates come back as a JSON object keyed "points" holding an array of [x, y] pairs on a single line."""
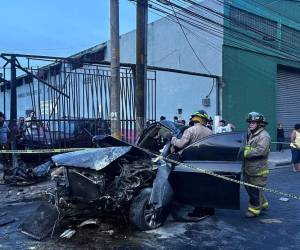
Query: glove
{"points": [[247, 150]]}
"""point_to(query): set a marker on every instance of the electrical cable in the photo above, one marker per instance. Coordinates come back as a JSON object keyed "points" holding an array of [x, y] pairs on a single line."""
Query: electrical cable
{"points": [[166, 10], [203, 65], [172, 19], [230, 19], [252, 37]]}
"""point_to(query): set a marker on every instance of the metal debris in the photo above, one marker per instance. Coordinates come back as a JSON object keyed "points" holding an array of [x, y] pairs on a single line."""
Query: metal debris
{"points": [[88, 222], [68, 234], [39, 225], [109, 232]]}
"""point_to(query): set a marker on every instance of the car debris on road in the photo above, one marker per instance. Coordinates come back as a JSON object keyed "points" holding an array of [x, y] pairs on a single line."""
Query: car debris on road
{"points": [[121, 179]]}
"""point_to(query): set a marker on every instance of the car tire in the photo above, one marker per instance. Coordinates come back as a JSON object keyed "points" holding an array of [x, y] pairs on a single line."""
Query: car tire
{"points": [[142, 216]]}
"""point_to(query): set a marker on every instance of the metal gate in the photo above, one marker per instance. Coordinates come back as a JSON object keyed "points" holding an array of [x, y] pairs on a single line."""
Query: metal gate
{"points": [[288, 98], [69, 101]]}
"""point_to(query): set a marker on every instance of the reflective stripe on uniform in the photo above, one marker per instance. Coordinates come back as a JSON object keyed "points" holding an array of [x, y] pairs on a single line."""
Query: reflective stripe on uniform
{"points": [[264, 172], [265, 205], [255, 211], [247, 150]]}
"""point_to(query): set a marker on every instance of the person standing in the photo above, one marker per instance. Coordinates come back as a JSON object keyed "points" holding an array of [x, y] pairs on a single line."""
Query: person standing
{"points": [[195, 132], [4, 158], [255, 168], [21, 132], [32, 123], [295, 147], [222, 128], [280, 137], [210, 123]]}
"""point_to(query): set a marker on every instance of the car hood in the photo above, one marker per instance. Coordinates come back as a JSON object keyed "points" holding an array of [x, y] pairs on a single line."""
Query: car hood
{"points": [[95, 159]]}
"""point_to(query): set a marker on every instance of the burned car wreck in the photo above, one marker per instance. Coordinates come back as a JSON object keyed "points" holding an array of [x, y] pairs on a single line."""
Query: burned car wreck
{"points": [[118, 177]]}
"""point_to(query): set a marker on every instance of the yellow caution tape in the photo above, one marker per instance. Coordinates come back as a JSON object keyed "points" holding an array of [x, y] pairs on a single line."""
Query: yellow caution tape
{"points": [[204, 171], [40, 151], [269, 190]]}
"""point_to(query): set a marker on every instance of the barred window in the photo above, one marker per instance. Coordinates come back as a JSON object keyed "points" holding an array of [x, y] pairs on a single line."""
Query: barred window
{"points": [[290, 39], [261, 27]]}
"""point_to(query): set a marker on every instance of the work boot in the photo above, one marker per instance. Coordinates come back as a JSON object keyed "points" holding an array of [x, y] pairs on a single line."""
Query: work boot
{"points": [[252, 212], [265, 205]]}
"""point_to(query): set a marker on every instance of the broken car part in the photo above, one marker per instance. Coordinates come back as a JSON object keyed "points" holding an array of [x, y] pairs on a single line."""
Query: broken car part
{"points": [[40, 224]]}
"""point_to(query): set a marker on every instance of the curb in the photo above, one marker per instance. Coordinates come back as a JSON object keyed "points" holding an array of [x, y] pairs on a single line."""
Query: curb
{"points": [[283, 164], [280, 163]]}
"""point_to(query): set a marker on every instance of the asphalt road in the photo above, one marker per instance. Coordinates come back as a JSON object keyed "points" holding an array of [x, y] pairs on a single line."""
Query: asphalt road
{"points": [[228, 229]]}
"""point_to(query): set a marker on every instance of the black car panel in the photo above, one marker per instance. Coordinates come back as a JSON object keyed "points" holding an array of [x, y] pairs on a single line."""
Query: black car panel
{"points": [[199, 189], [219, 147]]}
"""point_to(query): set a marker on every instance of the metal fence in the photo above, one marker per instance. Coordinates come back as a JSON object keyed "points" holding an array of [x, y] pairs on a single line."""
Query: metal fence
{"points": [[69, 101]]}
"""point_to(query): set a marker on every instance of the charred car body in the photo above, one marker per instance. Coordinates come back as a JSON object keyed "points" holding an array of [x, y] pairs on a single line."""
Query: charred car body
{"points": [[119, 177]]}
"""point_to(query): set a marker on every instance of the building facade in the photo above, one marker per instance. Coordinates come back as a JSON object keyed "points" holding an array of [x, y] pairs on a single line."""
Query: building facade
{"points": [[261, 62]]}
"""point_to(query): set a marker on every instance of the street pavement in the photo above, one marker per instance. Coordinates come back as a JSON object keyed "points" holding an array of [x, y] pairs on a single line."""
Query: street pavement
{"points": [[227, 229], [278, 159]]}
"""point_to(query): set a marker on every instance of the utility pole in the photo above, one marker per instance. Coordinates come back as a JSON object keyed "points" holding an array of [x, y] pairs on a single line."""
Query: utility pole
{"points": [[141, 63], [115, 70], [13, 109]]}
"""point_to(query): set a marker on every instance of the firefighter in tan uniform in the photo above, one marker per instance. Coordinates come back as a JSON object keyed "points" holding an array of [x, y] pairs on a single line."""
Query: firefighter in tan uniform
{"points": [[195, 132], [255, 166]]}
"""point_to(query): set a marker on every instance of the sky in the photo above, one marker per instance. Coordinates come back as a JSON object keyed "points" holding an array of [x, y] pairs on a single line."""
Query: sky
{"points": [[59, 27]]}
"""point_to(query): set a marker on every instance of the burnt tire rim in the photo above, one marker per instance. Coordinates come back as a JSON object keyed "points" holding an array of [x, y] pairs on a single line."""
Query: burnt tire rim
{"points": [[151, 216]]}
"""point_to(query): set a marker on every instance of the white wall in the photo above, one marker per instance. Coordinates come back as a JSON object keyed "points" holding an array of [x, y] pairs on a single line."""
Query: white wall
{"points": [[167, 47]]}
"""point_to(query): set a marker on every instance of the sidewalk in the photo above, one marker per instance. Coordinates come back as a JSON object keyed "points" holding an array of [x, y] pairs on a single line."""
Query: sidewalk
{"points": [[278, 159]]}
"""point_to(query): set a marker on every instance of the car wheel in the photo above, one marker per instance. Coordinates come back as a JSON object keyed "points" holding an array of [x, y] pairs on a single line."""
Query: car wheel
{"points": [[143, 216]]}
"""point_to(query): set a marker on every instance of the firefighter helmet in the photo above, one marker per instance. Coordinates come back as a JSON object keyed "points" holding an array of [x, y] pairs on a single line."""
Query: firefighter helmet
{"points": [[256, 117], [201, 114]]}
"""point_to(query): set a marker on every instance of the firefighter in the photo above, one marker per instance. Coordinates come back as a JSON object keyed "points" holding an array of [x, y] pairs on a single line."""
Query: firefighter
{"points": [[255, 166], [195, 132]]}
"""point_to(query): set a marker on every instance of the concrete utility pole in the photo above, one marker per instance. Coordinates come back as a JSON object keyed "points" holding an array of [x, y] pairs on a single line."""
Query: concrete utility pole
{"points": [[115, 70], [141, 63], [13, 109]]}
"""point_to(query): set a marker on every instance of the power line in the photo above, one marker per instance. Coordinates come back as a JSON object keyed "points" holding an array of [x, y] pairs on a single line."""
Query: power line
{"points": [[192, 17], [202, 63], [172, 18], [257, 31], [233, 59], [212, 22]]}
